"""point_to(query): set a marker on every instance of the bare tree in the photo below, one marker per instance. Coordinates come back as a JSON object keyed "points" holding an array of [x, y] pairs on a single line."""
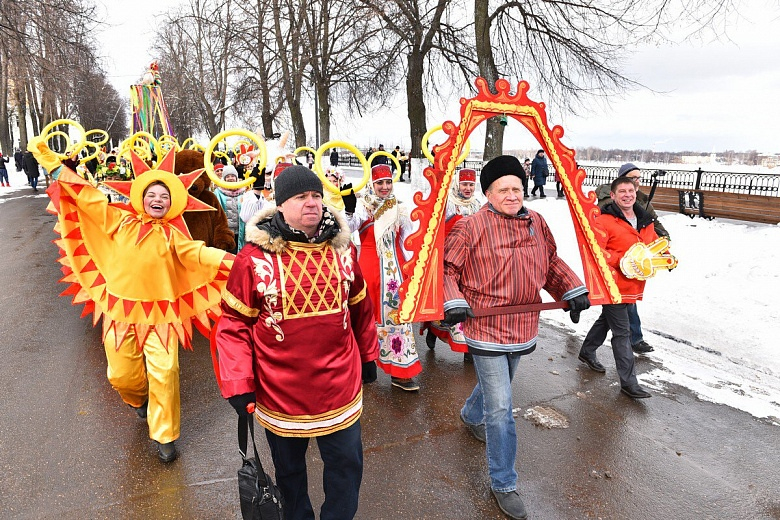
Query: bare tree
{"points": [[45, 46], [347, 59], [421, 35], [259, 72], [289, 16], [572, 50], [100, 106], [198, 45]]}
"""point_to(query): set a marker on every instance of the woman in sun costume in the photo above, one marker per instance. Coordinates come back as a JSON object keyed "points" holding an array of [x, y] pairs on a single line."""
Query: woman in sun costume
{"points": [[145, 276]]}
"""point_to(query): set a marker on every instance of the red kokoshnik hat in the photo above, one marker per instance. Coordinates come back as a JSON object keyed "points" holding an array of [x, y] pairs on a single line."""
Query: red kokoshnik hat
{"points": [[467, 175], [280, 167], [381, 172]]}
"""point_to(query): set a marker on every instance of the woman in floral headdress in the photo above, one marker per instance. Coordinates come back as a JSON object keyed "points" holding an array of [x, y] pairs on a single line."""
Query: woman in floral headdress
{"points": [[383, 224]]}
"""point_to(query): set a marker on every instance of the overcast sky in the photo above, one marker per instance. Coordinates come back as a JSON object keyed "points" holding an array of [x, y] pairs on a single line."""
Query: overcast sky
{"points": [[710, 96]]}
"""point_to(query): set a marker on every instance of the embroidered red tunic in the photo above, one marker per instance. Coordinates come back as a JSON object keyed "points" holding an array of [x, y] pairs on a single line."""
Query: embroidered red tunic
{"points": [[297, 325]]}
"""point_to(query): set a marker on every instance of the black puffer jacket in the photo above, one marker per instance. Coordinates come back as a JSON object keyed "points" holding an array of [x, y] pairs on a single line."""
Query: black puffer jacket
{"points": [[31, 166]]}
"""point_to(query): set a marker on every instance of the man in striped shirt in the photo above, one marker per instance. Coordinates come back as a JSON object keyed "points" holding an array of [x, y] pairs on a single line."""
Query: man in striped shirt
{"points": [[502, 256]]}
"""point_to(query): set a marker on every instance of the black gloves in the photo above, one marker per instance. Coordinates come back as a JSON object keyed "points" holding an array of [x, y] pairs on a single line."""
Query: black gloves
{"points": [[369, 372], [350, 200], [240, 402], [577, 305], [457, 315], [71, 162]]}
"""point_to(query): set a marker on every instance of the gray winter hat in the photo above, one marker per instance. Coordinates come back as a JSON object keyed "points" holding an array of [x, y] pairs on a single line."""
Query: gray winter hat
{"points": [[293, 181], [626, 168]]}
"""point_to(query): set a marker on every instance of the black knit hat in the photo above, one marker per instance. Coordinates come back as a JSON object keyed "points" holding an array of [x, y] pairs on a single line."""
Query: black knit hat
{"points": [[293, 181], [499, 167]]}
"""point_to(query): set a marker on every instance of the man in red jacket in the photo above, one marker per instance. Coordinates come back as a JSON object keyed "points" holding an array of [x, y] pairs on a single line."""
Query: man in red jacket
{"points": [[295, 338], [625, 223]]}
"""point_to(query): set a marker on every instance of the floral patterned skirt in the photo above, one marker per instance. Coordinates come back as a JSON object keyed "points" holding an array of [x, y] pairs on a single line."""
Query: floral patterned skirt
{"points": [[397, 352], [453, 335]]}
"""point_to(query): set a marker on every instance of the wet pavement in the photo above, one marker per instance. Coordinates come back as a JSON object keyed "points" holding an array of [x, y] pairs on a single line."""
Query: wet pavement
{"points": [[69, 448]]}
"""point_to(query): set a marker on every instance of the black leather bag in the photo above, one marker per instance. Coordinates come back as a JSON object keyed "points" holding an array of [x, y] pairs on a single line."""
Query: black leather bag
{"points": [[260, 498]]}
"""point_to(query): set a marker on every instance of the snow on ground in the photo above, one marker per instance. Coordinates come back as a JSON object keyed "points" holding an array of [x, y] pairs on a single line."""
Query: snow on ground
{"points": [[712, 322]]}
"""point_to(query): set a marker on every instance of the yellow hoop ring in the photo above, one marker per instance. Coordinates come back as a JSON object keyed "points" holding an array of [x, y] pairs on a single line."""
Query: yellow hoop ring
{"points": [[97, 131], [304, 149], [143, 151], [168, 142], [96, 144], [57, 122], [129, 145], [426, 152], [92, 155], [329, 185], [191, 144], [262, 157]]}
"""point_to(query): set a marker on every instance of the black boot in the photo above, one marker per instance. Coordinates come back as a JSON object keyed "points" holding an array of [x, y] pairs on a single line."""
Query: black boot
{"points": [[430, 340], [167, 452]]}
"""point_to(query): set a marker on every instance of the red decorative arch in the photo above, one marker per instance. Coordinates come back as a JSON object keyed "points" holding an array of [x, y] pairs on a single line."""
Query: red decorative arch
{"points": [[422, 298]]}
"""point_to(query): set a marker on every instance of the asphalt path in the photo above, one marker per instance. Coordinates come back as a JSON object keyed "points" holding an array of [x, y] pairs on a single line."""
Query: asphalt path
{"points": [[70, 449]]}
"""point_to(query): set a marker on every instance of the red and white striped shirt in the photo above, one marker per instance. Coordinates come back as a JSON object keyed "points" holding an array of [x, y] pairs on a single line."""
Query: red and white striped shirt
{"points": [[494, 260]]}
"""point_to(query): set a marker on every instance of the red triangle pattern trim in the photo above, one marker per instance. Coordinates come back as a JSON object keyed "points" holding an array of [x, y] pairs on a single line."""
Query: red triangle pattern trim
{"points": [[128, 305], [81, 251], [98, 281], [72, 290], [89, 307], [89, 267], [147, 307], [74, 235]]}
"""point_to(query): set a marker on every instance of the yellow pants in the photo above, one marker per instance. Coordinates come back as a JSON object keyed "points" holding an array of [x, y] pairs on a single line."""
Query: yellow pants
{"points": [[150, 374]]}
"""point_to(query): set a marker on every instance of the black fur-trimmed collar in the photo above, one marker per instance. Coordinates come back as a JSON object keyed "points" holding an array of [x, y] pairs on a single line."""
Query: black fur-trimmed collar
{"points": [[258, 234]]}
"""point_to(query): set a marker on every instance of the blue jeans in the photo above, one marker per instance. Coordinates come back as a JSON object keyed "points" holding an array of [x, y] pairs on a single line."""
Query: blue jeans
{"points": [[342, 456], [634, 323], [491, 404]]}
